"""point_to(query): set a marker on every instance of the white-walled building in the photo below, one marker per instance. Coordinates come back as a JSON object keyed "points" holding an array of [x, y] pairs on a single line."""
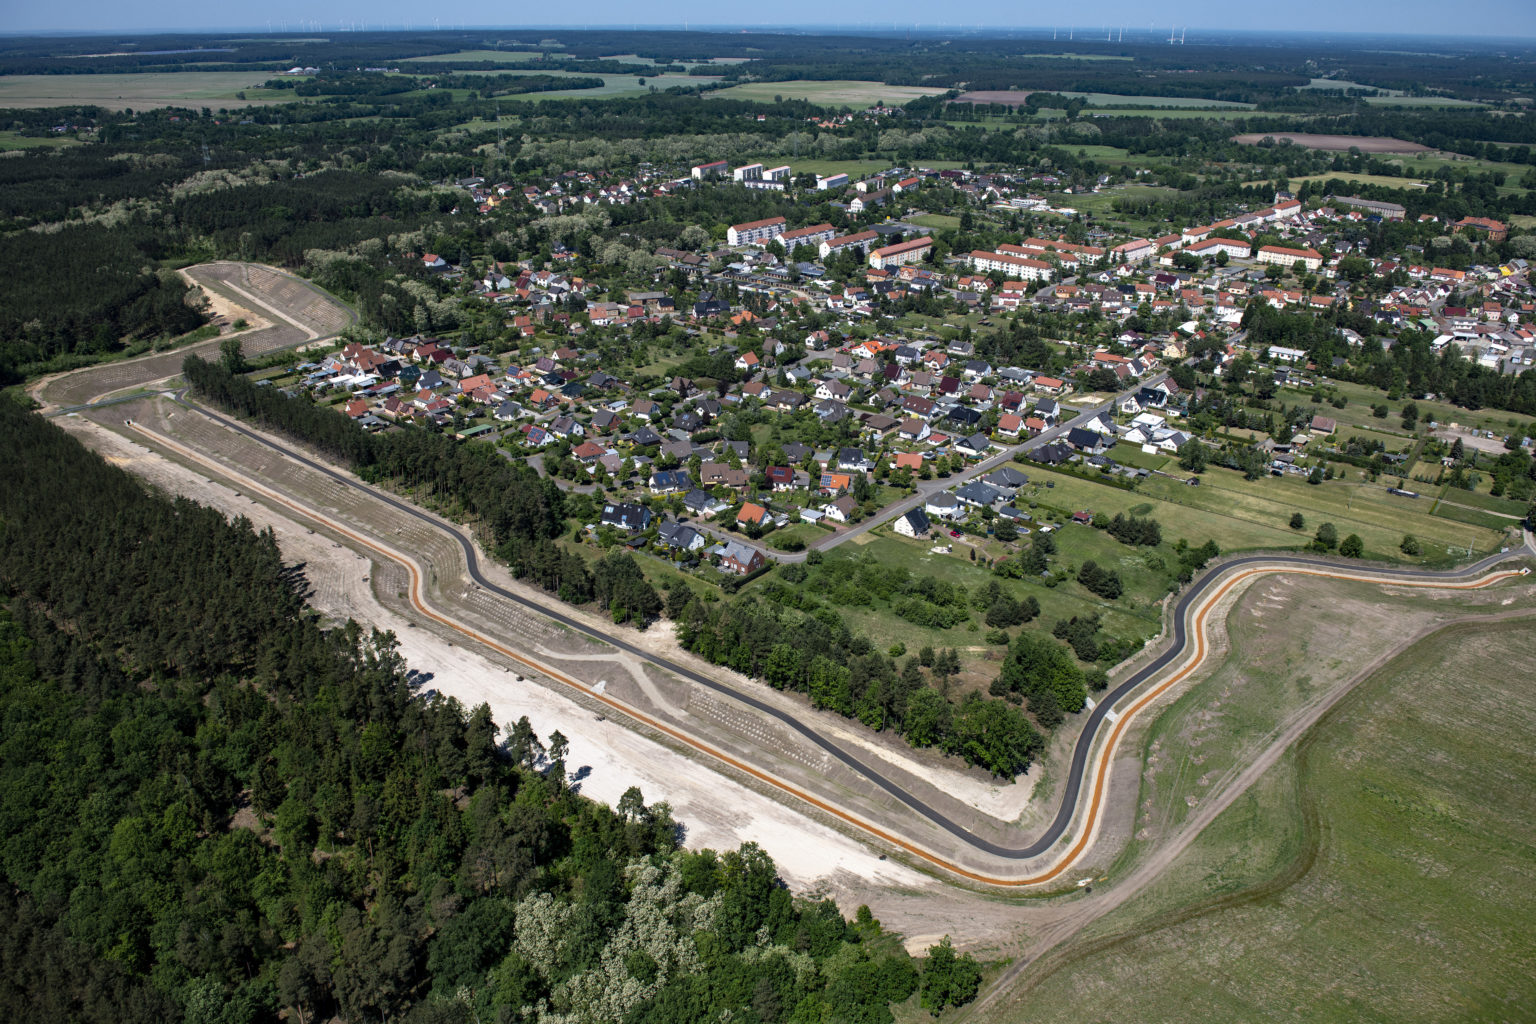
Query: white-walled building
{"points": [[757, 232]]}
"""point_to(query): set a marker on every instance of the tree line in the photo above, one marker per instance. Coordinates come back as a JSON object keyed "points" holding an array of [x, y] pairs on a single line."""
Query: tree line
{"points": [[217, 810], [518, 513]]}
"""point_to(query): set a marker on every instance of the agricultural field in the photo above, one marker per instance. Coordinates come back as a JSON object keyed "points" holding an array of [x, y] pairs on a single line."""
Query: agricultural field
{"points": [[473, 56], [1384, 180], [613, 85], [1332, 143], [1105, 99], [829, 94], [1358, 880], [140, 91], [1222, 114]]}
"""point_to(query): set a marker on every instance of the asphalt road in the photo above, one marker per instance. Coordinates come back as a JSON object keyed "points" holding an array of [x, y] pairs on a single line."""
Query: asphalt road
{"points": [[928, 488], [1072, 791]]}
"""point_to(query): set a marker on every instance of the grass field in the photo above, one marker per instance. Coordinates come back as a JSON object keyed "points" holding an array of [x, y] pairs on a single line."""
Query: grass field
{"points": [[1380, 873], [472, 56], [937, 221], [1420, 101], [1244, 515], [1222, 114], [613, 85], [829, 94], [1384, 180], [1134, 615], [1361, 398], [15, 140], [117, 92], [1106, 99]]}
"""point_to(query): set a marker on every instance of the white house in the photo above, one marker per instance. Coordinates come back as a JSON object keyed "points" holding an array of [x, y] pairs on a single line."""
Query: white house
{"points": [[914, 524]]}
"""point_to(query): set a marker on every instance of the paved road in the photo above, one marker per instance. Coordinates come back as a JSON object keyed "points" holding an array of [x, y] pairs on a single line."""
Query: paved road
{"points": [[1073, 797], [928, 488], [1073, 789]]}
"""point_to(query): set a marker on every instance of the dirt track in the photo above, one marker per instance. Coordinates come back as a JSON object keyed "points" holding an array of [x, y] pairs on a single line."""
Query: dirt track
{"points": [[1339, 143], [296, 312], [823, 860]]}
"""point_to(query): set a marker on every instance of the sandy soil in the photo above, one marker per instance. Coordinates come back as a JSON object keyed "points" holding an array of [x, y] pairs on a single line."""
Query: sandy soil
{"points": [[224, 309], [1364, 143], [605, 757]]}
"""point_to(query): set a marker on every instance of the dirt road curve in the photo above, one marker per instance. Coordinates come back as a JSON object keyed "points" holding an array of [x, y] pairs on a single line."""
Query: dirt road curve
{"points": [[297, 311], [299, 315], [1095, 756]]}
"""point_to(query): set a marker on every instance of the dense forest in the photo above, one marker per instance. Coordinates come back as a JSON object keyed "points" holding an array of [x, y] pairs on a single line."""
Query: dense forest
{"points": [[216, 810]]}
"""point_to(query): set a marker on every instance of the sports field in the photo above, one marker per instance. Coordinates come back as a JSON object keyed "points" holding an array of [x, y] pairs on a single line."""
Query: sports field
{"points": [[829, 94], [1380, 872], [154, 89]]}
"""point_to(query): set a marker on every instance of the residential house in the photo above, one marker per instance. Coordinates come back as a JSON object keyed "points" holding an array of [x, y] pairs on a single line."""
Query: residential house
{"points": [[979, 494], [626, 516], [741, 559], [680, 536], [670, 481], [914, 524], [835, 483], [943, 505], [1087, 441], [841, 510], [702, 503]]}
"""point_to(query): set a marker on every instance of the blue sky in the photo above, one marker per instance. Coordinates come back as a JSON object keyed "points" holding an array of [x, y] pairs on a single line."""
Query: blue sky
{"points": [[1490, 18]]}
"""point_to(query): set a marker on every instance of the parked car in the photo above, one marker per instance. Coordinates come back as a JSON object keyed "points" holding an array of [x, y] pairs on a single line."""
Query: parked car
{"points": [[954, 533]]}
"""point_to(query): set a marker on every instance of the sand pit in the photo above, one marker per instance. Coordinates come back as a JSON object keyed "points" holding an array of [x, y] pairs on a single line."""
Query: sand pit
{"points": [[605, 757], [1341, 143]]}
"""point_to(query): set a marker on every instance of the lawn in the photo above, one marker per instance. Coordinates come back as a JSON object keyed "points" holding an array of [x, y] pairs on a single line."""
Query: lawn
{"points": [[1380, 873], [1132, 455], [937, 221], [124, 91], [829, 94]]}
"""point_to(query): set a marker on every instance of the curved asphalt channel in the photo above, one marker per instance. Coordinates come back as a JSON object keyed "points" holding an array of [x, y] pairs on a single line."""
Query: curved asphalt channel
{"points": [[1085, 740]]}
